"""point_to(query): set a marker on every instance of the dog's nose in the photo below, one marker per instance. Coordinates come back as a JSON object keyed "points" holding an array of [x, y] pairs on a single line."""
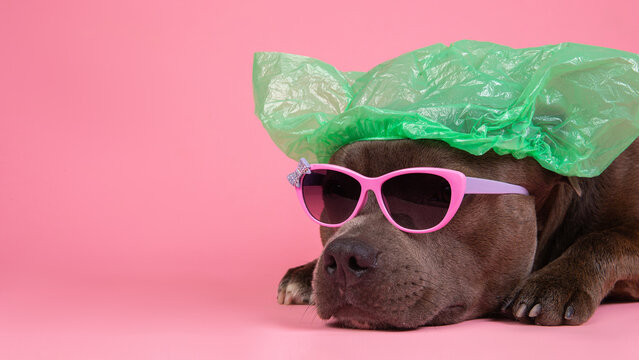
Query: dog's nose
{"points": [[347, 260]]}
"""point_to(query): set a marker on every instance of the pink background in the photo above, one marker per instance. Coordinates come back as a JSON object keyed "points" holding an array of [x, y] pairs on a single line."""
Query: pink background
{"points": [[144, 211]]}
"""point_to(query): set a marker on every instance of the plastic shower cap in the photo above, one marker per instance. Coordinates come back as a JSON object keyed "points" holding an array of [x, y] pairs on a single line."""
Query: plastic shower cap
{"points": [[574, 108]]}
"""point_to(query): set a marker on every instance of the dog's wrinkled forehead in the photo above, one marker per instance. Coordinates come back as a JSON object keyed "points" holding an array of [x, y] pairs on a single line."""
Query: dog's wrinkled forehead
{"points": [[375, 158]]}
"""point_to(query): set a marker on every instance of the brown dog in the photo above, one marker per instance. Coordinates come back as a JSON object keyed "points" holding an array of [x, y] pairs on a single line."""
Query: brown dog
{"points": [[548, 258]]}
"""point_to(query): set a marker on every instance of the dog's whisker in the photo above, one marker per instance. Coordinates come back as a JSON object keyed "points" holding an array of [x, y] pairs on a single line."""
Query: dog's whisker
{"points": [[421, 300], [305, 311]]}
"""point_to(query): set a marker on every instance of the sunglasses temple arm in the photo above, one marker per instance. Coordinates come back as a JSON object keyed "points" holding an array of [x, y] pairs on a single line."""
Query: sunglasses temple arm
{"points": [[485, 186]]}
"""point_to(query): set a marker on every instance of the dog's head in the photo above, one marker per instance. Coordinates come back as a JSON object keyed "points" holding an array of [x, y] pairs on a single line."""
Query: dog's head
{"points": [[372, 275]]}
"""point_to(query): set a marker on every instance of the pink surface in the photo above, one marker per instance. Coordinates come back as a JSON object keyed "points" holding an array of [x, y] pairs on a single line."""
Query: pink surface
{"points": [[131, 221]]}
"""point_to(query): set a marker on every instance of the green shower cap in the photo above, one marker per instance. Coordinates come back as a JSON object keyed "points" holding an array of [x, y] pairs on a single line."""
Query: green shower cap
{"points": [[574, 108]]}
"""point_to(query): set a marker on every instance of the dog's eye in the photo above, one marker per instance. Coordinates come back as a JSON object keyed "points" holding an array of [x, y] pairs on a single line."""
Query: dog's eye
{"points": [[332, 187]]}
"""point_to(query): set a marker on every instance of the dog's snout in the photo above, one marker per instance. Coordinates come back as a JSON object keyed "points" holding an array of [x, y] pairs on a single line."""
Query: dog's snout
{"points": [[347, 260]]}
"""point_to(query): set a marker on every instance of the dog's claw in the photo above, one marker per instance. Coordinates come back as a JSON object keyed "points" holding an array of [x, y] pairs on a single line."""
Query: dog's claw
{"points": [[570, 311], [520, 311], [536, 310], [550, 297], [293, 294], [295, 287]]}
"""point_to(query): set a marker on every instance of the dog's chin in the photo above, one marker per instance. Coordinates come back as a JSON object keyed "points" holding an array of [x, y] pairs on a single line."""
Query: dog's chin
{"points": [[349, 316]]}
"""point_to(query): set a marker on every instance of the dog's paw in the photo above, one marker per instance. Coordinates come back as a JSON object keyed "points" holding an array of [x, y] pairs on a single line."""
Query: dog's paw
{"points": [[552, 298], [295, 286]]}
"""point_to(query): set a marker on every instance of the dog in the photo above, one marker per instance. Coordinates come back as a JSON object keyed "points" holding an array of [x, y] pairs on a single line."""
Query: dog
{"points": [[548, 258]]}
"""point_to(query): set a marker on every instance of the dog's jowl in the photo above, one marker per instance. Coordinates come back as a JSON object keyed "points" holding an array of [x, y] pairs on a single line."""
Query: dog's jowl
{"points": [[549, 257]]}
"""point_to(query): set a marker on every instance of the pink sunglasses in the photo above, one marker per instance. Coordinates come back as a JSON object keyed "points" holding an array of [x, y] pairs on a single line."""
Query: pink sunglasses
{"points": [[415, 200]]}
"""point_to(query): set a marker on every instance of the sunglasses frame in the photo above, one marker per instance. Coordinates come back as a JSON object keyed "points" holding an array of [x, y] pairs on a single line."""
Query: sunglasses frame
{"points": [[460, 185]]}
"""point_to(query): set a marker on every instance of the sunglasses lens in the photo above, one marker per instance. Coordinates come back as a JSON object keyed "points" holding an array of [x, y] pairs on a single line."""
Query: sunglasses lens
{"points": [[417, 201], [330, 196]]}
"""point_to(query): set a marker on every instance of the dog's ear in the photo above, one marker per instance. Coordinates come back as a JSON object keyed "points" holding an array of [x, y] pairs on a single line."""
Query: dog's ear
{"points": [[573, 181]]}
